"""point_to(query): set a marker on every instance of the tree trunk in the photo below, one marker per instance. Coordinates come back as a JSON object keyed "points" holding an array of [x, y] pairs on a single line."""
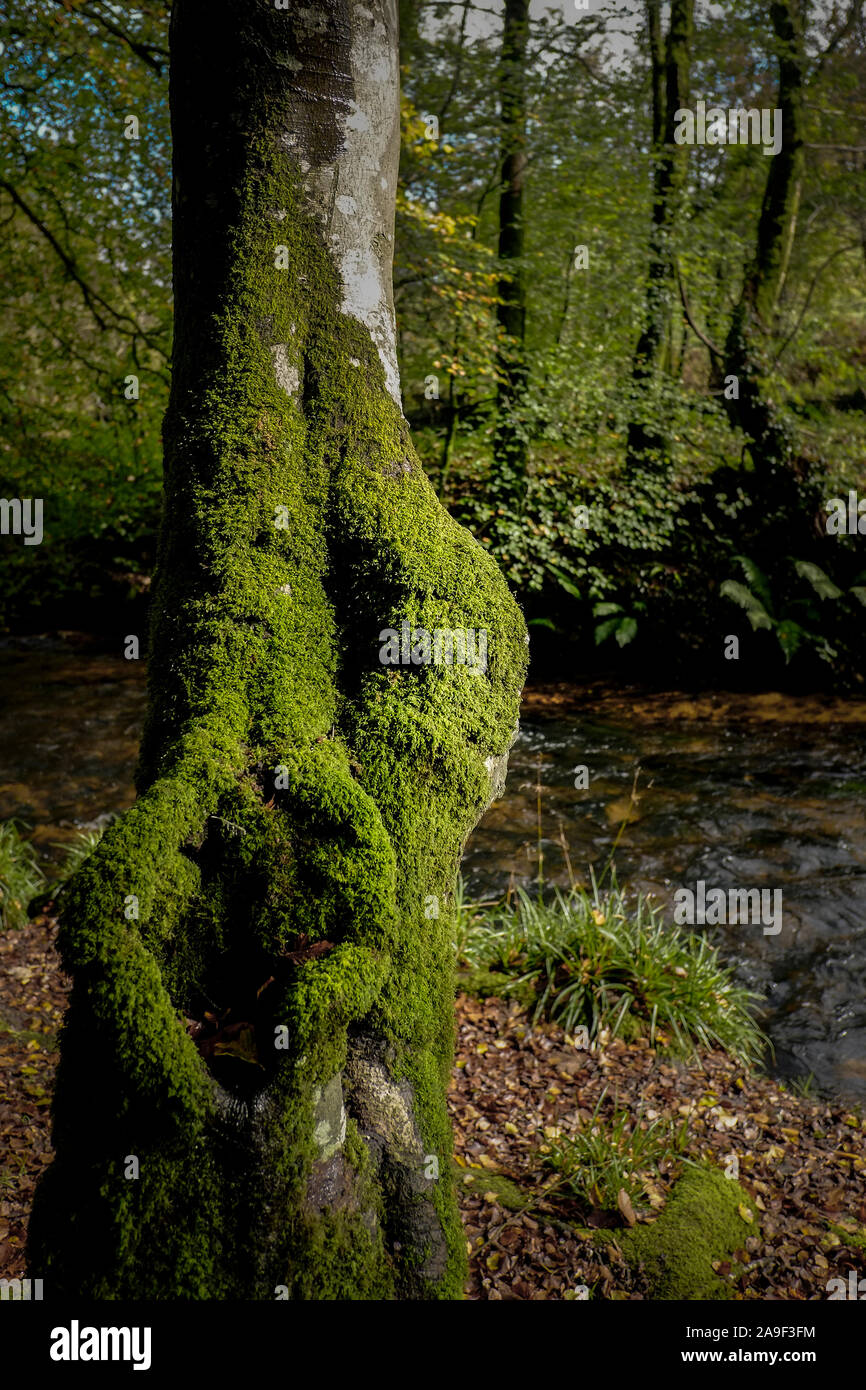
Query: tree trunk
{"points": [[748, 346], [670, 92], [262, 1007], [508, 478]]}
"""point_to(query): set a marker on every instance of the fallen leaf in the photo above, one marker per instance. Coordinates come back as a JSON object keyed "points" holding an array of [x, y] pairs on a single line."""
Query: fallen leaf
{"points": [[623, 1201]]}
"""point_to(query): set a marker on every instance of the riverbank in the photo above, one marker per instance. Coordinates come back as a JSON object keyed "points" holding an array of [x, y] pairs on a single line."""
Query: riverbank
{"points": [[734, 790], [517, 1090], [599, 699], [799, 1220]]}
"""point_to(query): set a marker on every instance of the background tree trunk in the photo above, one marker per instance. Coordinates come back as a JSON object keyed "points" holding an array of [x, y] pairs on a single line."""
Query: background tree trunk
{"points": [[508, 481], [670, 92], [749, 344], [286, 873]]}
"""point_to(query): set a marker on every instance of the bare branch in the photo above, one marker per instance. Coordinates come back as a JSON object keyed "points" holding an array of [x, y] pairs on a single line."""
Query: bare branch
{"points": [[91, 298], [841, 33], [145, 51], [707, 342], [848, 246]]}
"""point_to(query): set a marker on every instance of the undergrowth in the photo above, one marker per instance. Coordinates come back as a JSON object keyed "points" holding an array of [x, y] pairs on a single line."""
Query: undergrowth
{"points": [[599, 960]]}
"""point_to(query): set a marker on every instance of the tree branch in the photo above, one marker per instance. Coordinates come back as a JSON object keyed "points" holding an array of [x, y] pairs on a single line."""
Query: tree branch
{"points": [[841, 33], [458, 68], [707, 342], [848, 246], [144, 51], [91, 297]]}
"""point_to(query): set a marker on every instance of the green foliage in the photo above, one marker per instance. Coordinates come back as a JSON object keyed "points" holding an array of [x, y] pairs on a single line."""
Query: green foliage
{"points": [[96, 226], [795, 622], [615, 1152], [86, 301], [76, 851], [804, 1086], [21, 876], [593, 959], [617, 623]]}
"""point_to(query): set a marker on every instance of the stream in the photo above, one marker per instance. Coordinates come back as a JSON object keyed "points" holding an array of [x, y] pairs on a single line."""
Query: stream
{"points": [[738, 791]]}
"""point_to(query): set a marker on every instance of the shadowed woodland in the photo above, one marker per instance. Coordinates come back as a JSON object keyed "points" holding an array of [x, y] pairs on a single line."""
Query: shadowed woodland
{"points": [[573, 290], [619, 407]]}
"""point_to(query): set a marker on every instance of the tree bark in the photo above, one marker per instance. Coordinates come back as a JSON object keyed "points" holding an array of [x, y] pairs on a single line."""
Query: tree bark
{"points": [[670, 91], [261, 948], [510, 449], [749, 344]]}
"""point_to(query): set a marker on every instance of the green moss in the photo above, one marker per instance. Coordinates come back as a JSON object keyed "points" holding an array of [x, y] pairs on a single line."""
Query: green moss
{"points": [[700, 1223], [508, 1194], [857, 1239], [46, 1041], [264, 656]]}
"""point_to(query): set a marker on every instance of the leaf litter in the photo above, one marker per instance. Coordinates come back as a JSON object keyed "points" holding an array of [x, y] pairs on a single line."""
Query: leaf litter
{"points": [[516, 1091]]}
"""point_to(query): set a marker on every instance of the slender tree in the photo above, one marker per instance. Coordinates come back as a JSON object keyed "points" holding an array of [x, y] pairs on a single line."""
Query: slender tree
{"points": [[670, 63], [749, 343], [251, 1095], [508, 479]]}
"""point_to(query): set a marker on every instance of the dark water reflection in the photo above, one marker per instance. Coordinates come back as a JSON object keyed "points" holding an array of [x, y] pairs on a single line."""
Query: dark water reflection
{"points": [[69, 728], [739, 791]]}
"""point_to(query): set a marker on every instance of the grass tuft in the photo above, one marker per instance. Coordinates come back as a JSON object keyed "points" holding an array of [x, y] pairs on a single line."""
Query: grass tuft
{"points": [[591, 959], [76, 851], [614, 1153], [20, 875]]}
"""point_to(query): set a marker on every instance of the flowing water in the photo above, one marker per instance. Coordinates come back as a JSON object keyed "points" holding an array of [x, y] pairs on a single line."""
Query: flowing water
{"points": [[738, 791]]}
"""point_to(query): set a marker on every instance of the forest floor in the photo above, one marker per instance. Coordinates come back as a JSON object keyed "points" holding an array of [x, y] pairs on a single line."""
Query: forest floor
{"points": [[516, 1091]]}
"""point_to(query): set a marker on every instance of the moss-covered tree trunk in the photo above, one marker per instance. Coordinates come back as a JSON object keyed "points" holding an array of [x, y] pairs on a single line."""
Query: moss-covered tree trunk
{"points": [[748, 350], [251, 1095], [510, 450], [670, 67]]}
